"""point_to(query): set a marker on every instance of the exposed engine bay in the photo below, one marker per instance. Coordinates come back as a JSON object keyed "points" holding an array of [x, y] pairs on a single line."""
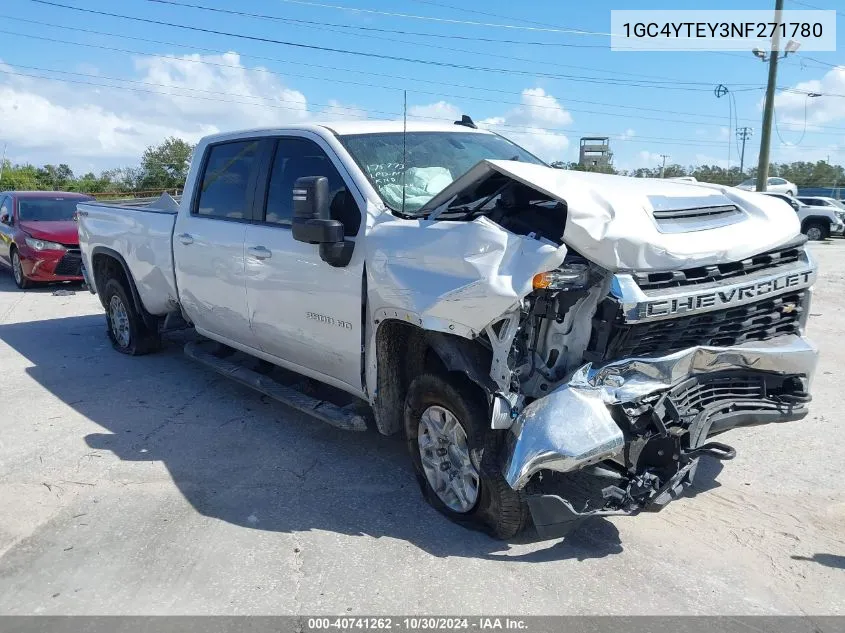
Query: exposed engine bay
{"points": [[643, 320]]}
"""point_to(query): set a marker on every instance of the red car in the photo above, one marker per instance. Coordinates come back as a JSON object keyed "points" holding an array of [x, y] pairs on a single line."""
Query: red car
{"points": [[38, 238]]}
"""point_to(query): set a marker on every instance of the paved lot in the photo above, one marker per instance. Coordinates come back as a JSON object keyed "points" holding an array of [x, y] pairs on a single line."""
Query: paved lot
{"points": [[150, 485]]}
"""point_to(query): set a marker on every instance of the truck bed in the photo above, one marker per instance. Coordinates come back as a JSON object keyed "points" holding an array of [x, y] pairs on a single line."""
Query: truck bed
{"points": [[141, 234]]}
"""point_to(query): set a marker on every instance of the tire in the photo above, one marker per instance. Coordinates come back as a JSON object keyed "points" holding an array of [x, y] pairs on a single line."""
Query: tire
{"points": [[17, 272], [816, 231], [497, 508], [125, 328], [790, 193]]}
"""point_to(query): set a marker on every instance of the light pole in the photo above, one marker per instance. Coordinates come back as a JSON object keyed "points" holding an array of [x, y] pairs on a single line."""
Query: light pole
{"points": [[768, 110], [663, 166]]}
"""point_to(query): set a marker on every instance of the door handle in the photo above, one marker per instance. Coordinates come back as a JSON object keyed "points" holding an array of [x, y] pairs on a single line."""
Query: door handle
{"points": [[259, 252], [186, 238]]}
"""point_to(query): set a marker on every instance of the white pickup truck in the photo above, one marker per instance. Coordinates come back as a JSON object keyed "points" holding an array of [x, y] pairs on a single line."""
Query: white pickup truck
{"points": [[552, 344]]}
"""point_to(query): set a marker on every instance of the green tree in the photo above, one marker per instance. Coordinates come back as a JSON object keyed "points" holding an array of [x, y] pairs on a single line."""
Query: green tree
{"points": [[165, 166]]}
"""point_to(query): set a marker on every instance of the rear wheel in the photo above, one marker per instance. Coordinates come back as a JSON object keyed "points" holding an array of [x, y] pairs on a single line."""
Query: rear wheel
{"points": [[17, 272], [126, 328], [455, 456], [816, 231]]}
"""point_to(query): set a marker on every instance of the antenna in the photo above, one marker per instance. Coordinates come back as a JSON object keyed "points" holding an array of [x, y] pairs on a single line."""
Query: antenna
{"points": [[404, 146]]}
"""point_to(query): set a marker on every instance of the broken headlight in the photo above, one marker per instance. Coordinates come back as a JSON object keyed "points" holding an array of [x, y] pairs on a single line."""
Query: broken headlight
{"points": [[567, 277]]}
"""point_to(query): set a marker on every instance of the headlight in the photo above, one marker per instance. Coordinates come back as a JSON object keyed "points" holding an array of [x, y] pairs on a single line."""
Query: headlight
{"points": [[840, 215], [43, 245], [567, 277]]}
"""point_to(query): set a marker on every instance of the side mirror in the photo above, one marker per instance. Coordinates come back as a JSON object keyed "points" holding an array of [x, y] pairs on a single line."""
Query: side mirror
{"points": [[5, 218], [312, 221]]}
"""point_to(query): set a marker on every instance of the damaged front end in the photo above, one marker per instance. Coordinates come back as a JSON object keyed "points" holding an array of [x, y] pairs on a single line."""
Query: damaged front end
{"points": [[638, 427], [628, 397]]}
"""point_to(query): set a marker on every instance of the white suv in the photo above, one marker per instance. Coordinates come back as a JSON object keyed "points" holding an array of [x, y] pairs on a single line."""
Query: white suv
{"points": [[818, 222]]}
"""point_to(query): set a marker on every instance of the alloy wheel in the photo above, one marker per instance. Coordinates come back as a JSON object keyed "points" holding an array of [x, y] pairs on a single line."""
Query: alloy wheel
{"points": [[119, 321], [445, 456]]}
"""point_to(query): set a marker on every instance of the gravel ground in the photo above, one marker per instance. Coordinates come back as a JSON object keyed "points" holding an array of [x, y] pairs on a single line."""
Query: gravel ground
{"points": [[153, 486]]}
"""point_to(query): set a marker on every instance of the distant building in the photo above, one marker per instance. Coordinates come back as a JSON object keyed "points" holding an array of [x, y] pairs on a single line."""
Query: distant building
{"points": [[595, 152]]}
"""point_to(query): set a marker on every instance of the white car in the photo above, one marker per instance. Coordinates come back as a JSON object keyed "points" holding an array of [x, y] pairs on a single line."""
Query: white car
{"points": [[773, 184]]}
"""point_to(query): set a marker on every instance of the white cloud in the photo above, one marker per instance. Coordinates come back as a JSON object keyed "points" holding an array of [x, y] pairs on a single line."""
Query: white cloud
{"points": [[649, 159], [790, 106], [442, 110], [627, 135], [190, 96], [526, 124]]}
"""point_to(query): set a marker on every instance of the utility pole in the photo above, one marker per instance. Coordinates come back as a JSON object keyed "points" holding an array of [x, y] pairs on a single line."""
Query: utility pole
{"points": [[743, 134], [768, 110], [663, 166], [3, 160]]}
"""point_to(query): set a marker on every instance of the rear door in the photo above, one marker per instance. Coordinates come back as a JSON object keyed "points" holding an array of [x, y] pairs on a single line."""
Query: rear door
{"points": [[208, 242], [303, 311]]}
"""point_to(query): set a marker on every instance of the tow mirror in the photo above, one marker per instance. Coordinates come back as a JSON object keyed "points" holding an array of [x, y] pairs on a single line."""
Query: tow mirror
{"points": [[312, 221]]}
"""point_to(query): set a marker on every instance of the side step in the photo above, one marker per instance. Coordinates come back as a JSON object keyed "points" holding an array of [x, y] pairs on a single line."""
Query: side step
{"points": [[326, 411]]}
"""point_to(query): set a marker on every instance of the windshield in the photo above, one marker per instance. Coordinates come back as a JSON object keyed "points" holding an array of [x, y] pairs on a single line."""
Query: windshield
{"points": [[434, 160], [838, 203], [47, 209]]}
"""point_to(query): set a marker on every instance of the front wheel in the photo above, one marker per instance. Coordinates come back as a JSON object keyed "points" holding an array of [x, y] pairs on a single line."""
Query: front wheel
{"points": [[790, 193], [17, 272], [125, 327], [816, 231], [455, 457]]}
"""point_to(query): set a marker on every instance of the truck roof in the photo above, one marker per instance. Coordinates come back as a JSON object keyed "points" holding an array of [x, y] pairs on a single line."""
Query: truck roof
{"points": [[350, 126]]}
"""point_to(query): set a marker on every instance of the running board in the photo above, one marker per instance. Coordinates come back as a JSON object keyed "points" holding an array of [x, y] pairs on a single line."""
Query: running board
{"points": [[327, 412]]}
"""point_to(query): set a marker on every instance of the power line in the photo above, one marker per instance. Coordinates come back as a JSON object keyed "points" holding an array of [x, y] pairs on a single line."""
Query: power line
{"points": [[670, 85], [812, 6], [322, 26], [485, 13], [493, 40], [446, 20], [438, 94], [527, 130], [421, 92]]}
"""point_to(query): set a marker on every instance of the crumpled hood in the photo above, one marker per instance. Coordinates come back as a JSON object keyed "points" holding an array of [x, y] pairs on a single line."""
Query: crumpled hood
{"points": [[623, 223], [61, 231]]}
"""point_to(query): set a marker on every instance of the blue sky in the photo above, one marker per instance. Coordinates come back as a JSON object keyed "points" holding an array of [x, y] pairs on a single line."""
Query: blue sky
{"points": [[103, 106]]}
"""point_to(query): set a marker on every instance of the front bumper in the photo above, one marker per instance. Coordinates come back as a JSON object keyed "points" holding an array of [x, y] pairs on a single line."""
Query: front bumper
{"points": [[606, 413], [51, 265]]}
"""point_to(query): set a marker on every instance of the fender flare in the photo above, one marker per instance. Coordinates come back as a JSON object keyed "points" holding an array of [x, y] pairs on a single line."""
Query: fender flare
{"points": [[149, 320]]}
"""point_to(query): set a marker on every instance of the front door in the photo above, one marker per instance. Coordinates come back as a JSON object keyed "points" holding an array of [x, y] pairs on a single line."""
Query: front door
{"points": [[208, 242], [6, 229], [302, 310]]}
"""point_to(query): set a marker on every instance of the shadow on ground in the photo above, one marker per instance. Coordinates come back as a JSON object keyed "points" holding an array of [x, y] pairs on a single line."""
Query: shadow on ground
{"points": [[241, 458], [828, 560]]}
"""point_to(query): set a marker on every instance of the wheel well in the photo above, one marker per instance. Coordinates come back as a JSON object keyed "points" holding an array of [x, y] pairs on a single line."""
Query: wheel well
{"points": [[107, 267], [404, 351], [814, 219]]}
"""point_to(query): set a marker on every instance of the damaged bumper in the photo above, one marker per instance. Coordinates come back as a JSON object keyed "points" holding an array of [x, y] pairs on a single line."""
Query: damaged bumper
{"points": [[649, 419]]}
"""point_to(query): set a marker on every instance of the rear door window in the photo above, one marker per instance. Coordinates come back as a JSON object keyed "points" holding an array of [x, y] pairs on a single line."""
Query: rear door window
{"points": [[228, 181]]}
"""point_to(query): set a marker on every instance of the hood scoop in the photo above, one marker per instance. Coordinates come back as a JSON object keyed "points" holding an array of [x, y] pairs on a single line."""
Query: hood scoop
{"points": [[684, 214]]}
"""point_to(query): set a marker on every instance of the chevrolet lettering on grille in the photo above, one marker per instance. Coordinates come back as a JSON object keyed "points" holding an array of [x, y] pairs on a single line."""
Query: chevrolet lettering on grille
{"points": [[691, 302]]}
